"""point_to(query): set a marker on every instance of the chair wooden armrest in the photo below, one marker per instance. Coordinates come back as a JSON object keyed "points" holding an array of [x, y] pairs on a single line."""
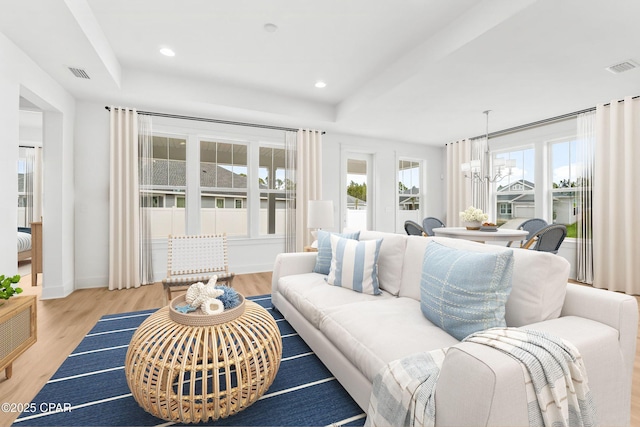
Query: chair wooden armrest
{"points": [[530, 242]]}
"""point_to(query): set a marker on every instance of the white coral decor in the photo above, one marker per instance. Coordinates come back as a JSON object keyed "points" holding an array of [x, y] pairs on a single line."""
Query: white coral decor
{"points": [[212, 306], [205, 297], [473, 214]]}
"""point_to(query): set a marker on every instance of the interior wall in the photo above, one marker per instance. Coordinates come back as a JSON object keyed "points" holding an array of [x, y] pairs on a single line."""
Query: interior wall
{"points": [[385, 156], [20, 76], [245, 255], [92, 209]]}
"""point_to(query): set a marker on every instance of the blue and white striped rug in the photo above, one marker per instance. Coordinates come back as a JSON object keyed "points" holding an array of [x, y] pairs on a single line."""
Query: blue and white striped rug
{"points": [[90, 388]]}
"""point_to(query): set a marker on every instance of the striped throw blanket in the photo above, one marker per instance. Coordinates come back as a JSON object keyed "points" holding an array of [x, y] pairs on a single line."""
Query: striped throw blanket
{"points": [[556, 382]]}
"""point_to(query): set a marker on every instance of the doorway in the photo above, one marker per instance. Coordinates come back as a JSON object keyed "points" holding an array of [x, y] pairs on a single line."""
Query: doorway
{"points": [[358, 191], [30, 184]]}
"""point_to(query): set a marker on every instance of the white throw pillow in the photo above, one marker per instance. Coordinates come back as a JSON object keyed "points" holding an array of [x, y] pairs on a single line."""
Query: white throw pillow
{"points": [[354, 264]]}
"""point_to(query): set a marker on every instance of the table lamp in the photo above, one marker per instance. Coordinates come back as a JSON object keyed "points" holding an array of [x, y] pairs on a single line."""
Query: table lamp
{"points": [[319, 216]]}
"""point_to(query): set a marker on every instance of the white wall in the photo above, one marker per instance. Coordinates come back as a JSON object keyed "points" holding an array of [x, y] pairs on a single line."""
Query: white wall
{"points": [[245, 255], [92, 211], [20, 76], [386, 154]]}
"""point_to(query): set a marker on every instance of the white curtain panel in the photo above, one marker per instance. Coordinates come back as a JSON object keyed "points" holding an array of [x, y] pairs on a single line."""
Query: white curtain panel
{"points": [[308, 181], [586, 136], [291, 152], [616, 197], [124, 209], [458, 187], [480, 189], [145, 155]]}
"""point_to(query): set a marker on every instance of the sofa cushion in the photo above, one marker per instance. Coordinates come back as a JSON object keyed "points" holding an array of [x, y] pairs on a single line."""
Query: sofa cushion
{"points": [[539, 282], [323, 260], [311, 295], [390, 259], [354, 265], [464, 291], [373, 333]]}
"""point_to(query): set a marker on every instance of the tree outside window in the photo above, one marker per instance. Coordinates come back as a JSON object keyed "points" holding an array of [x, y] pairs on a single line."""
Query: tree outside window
{"points": [[566, 181]]}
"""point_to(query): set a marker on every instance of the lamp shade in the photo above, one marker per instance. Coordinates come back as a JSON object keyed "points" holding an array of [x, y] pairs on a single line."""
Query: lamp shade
{"points": [[320, 214]]}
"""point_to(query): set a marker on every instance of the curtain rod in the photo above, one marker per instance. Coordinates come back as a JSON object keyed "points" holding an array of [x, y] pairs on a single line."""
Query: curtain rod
{"points": [[542, 122], [204, 119]]}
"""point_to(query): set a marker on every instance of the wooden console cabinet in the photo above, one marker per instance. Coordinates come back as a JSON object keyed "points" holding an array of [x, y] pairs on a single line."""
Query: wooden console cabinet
{"points": [[18, 329]]}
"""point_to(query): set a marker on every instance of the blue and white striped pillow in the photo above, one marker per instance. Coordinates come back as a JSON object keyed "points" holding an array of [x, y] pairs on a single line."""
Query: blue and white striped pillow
{"points": [[323, 259], [354, 264]]}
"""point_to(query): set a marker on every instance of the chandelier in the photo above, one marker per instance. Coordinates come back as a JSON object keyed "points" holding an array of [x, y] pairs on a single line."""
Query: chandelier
{"points": [[500, 168]]}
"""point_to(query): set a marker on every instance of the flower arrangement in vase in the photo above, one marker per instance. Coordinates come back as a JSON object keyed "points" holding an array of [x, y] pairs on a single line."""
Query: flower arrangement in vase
{"points": [[473, 218]]}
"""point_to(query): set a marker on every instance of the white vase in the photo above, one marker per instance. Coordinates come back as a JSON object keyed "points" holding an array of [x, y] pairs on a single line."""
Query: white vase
{"points": [[472, 225]]}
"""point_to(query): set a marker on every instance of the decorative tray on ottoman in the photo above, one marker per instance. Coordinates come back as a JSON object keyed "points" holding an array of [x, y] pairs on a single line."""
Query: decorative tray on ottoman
{"points": [[199, 318]]}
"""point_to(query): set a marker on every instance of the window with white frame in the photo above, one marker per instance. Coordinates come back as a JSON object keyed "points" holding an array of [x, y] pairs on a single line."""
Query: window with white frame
{"points": [[272, 184], [409, 191], [223, 176], [165, 195], [566, 181], [215, 181], [515, 194]]}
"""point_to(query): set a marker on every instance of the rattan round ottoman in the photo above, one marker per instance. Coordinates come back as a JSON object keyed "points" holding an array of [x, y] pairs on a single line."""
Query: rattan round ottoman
{"points": [[194, 373]]}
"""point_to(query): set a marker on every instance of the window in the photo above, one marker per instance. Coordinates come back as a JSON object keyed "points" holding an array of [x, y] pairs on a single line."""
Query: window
{"points": [[515, 194], [408, 185], [215, 179], [167, 188], [223, 176], [566, 181], [272, 184], [409, 193]]}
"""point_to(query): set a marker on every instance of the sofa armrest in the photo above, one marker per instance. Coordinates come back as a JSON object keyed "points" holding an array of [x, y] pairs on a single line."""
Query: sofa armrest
{"points": [[480, 386], [288, 264], [613, 309]]}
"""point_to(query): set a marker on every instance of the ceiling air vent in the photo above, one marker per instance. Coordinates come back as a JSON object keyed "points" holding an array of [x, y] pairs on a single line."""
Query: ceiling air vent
{"points": [[79, 73], [622, 67]]}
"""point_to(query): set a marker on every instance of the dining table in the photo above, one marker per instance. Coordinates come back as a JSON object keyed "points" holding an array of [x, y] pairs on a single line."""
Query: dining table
{"points": [[488, 235]]}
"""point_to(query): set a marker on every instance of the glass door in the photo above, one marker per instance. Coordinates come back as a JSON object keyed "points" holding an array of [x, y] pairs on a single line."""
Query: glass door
{"points": [[357, 192]]}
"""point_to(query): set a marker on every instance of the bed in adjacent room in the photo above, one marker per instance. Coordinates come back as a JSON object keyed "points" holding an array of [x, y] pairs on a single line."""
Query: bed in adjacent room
{"points": [[30, 247], [24, 243]]}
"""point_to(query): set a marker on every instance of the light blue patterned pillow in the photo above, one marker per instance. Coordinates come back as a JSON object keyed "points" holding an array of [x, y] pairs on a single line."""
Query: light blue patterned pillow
{"points": [[323, 261], [464, 291], [354, 264]]}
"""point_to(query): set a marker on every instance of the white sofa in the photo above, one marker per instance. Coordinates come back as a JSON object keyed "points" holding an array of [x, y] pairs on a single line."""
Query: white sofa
{"points": [[355, 335]]}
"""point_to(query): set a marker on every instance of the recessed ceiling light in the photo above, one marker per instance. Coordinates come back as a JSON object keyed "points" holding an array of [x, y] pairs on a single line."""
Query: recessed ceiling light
{"points": [[320, 84], [167, 51], [270, 28]]}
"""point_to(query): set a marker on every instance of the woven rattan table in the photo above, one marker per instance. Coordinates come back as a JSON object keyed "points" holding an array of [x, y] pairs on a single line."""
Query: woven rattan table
{"points": [[189, 374]]}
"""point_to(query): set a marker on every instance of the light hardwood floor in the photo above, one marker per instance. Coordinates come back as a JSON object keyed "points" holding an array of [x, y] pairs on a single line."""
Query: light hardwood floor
{"points": [[62, 323]]}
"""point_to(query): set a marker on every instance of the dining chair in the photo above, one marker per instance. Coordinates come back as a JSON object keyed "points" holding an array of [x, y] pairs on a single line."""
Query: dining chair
{"points": [[429, 223], [532, 225], [548, 239], [413, 228]]}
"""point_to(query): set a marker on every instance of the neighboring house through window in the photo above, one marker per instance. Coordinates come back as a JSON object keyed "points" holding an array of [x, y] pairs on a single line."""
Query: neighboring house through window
{"points": [[515, 194], [219, 170]]}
